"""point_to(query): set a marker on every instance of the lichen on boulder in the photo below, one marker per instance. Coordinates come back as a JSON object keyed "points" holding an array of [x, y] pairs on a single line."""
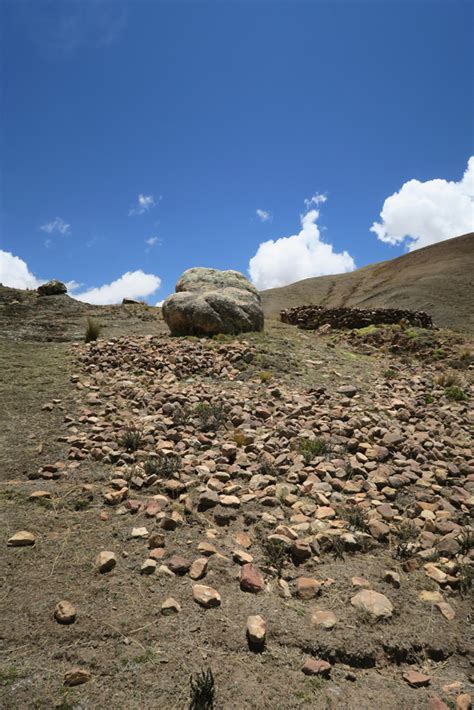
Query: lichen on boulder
{"points": [[210, 301]]}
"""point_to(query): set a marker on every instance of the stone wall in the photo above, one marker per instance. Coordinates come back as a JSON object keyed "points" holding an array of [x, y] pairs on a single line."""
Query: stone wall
{"points": [[312, 317]]}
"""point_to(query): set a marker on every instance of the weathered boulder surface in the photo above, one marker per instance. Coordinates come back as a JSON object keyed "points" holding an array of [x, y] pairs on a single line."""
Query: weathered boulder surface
{"points": [[210, 301], [52, 288]]}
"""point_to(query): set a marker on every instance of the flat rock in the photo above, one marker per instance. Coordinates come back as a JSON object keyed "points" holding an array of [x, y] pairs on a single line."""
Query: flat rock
{"points": [[206, 596], [23, 538], [170, 606], [374, 603], [324, 619], [198, 568], [316, 666], [416, 679], [76, 676]]}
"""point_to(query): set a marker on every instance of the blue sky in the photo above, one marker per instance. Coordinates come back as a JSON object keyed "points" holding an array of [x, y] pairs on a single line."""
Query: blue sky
{"points": [[174, 122]]}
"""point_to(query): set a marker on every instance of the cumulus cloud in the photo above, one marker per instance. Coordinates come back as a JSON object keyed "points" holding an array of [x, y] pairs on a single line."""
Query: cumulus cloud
{"points": [[317, 199], [14, 272], [423, 213], [144, 203], [133, 284], [56, 225], [263, 215], [288, 259]]}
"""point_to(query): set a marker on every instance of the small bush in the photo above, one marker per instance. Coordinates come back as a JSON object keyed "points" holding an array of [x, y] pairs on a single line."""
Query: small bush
{"points": [[202, 691], [355, 515], [93, 329], [465, 578], [448, 379], [210, 416], [429, 399], [275, 554], [406, 533], [466, 541], [181, 415], [239, 437], [455, 394], [163, 465], [337, 547], [265, 376], [389, 374], [310, 448], [131, 439]]}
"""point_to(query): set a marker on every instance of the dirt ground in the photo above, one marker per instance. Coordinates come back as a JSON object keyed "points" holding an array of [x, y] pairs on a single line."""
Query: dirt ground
{"points": [[139, 658]]}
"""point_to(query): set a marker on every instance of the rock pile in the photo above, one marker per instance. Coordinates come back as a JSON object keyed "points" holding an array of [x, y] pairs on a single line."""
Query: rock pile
{"points": [[312, 317], [209, 301], [52, 288]]}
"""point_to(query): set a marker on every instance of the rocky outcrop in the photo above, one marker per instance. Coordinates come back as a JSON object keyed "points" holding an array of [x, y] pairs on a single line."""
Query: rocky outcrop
{"points": [[210, 301], [312, 317], [52, 288]]}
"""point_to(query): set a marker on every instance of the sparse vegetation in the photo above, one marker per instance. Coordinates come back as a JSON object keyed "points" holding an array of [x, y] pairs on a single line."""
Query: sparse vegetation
{"points": [[203, 691], [429, 399], [466, 541], [455, 394], [265, 376], [389, 374], [448, 379], [8, 676], [275, 554], [163, 465], [210, 415], [239, 437], [131, 439], [355, 515], [311, 448], [337, 547], [93, 329], [466, 578], [406, 533]]}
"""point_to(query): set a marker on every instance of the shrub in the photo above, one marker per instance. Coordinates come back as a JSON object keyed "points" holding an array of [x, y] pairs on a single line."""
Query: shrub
{"points": [[275, 554], [239, 437], [210, 416], [310, 448], [448, 379], [456, 394], [163, 465], [337, 547], [355, 515], [131, 438], [465, 578], [389, 374], [406, 533], [466, 541], [93, 329], [429, 399], [202, 691], [265, 376]]}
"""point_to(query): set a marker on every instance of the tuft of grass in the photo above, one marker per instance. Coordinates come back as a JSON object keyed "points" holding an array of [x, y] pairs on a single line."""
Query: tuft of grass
{"points": [[406, 533], [389, 374], [429, 399], [275, 554], [466, 541], [455, 394], [203, 691], [8, 676], [265, 376], [239, 437], [466, 578], [93, 329], [311, 448], [355, 515], [210, 416], [337, 547], [148, 655], [448, 379], [131, 439], [163, 465]]}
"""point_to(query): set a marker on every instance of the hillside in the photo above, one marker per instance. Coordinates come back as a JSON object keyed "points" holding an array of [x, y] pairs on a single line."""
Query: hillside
{"points": [[437, 279]]}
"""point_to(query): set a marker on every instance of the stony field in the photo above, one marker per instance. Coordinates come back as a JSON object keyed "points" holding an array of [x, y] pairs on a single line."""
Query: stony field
{"points": [[290, 510]]}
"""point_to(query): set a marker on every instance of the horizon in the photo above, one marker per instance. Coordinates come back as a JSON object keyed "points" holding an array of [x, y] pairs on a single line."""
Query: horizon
{"points": [[144, 138]]}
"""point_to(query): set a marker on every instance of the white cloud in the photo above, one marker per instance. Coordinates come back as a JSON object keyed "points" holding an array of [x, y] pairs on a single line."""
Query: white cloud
{"points": [[133, 284], [301, 256], [144, 203], [14, 272], [428, 212], [158, 304], [151, 241], [263, 215], [56, 225], [317, 199]]}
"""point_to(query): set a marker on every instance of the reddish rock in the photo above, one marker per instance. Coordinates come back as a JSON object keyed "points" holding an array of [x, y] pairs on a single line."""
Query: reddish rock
{"points": [[416, 679], [250, 579], [316, 666]]}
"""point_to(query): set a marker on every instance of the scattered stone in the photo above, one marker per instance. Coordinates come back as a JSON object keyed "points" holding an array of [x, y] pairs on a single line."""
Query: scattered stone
{"points": [[416, 679], [198, 568], [316, 666], [76, 676], [256, 632], [392, 578], [65, 612], [23, 538], [374, 603], [206, 596], [179, 565], [170, 606], [148, 567], [446, 610], [139, 533], [324, 619], [307, 587], [250, 579], [105, 561]]}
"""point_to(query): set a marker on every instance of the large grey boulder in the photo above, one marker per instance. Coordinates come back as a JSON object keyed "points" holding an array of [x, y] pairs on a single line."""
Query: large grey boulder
{"points": [[209, 301], [52, 288]]}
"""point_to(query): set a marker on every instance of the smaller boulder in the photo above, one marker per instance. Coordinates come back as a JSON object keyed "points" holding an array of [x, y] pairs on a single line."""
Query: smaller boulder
{"points": [[52, 288]]}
